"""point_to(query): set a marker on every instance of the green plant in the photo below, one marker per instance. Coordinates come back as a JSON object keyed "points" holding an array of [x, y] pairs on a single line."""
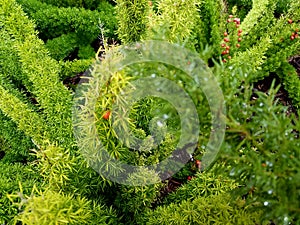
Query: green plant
{"points": [[132, 19], [202, 185], [255, 177], [11, 174], [53, 21], [62, 46], [89, 4], [48, 207], [260, 152], [214, 209]]}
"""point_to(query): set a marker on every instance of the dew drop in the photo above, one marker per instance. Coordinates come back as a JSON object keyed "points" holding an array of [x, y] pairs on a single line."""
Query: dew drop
{"points": [[159, 123], [266, 203], [270, 164], [232, 172]]}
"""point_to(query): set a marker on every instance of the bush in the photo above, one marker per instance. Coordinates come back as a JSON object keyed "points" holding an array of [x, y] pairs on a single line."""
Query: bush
{"points": [[213, 209], [53, 21], [255, 178], [11, 175], [50, 207]]}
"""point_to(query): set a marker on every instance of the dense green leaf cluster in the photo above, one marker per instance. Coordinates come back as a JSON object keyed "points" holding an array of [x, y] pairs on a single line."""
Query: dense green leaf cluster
{"points": [[255, 179], [71, 31], [11, 176], [132, 19]]}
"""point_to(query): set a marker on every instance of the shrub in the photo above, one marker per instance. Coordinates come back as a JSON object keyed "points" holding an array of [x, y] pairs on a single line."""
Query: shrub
{"points": [[50, 207], [255, 179], [88, 4], [11, 175], [132, 20], [53, 21], [213, 209]]}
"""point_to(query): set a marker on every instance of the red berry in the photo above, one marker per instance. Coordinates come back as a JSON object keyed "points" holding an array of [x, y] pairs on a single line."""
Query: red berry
{"points": [[230, 16], [292, 37], [290, 21], [225, 34], [229, 57], [238, 45], [223, 45], [239, 34], [226, 39], [227, 51], [237, 20], [198, 162], [237, 26], [224, 60], [293, 34], [189, 177], [240, 31], [106, 115], [227, 47], [224, 52], [228, 21], [296, 35], [239, 39]]}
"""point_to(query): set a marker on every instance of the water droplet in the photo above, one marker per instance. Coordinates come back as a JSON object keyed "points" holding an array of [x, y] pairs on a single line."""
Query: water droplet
{"points": [[230, 67], [244, 105], [165, 116], [246, 75], [261, 104], [159, 123], [153, 75], [232, 172], [270, 192], [286, 220], [266, 203], [270, 164]]}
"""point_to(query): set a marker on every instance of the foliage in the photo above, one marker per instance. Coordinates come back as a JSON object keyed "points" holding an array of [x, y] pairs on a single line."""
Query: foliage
{"points": [[88, 4], [204, 185], [213, 209], [10, 177], [50, 207], [53, 21], [69, 68], [178, 19], [62, 46], [42, 71], [260, 152], [291, 81], [255, 179], [132, 19]]}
